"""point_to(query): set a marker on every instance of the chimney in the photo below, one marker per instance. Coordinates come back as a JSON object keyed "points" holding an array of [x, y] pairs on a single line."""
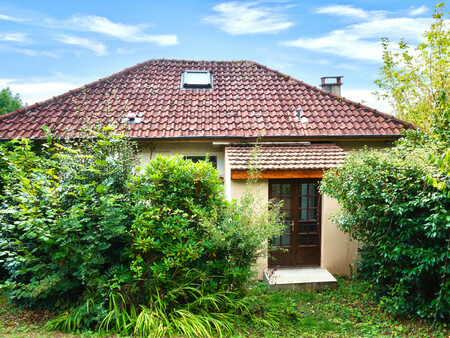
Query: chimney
{"points": [[332, 84]]}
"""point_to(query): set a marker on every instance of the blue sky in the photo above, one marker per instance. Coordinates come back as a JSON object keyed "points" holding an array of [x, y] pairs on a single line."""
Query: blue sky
{"points": [[49, 47]]}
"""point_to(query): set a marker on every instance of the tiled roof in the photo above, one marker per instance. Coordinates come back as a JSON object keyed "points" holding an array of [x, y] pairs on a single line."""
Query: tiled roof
{"points": [[313, 156], [248, 100]]}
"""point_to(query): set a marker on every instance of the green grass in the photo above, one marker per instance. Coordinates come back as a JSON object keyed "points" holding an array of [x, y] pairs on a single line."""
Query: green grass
{"points": [[348, 311]]}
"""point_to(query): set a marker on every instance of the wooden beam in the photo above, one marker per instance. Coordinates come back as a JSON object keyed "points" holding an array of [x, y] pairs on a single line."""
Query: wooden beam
{"points": [[312, 173]]}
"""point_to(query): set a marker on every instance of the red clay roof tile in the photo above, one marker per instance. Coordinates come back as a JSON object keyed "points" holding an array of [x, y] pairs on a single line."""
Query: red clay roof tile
{"points": [[247, 100], [301, 157]]}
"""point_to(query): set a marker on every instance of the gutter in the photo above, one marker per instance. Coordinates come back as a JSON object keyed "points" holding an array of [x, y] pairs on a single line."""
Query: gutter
{"points": [[244, 138]]}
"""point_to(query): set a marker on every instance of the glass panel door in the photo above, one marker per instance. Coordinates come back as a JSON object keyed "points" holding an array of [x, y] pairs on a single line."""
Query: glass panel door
{"points": [[299, 245], [282, 192], [308, 209]]}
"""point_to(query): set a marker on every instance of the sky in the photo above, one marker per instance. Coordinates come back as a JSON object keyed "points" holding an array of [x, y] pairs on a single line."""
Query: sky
{"points": [[50, 47]]}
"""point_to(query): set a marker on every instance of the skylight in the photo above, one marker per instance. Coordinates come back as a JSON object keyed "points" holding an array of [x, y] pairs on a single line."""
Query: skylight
{"points": [[196, 79]]}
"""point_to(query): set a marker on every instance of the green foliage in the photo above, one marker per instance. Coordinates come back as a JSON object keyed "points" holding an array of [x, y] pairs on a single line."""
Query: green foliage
{"points": [[348, 311], [9, 102], [201, 315], [78, 225], [74, 319], [189, 226], [171, 197], [403, 222], [64, 218], [411, 77], [240, 232], [416, 83]]}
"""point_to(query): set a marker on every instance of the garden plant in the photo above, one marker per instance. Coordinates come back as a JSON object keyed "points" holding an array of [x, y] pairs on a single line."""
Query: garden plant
{"points": [[111, 247]]}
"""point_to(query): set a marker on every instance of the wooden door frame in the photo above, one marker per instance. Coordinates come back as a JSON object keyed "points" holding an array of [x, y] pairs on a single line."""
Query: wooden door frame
{"points": [[295, 184]]}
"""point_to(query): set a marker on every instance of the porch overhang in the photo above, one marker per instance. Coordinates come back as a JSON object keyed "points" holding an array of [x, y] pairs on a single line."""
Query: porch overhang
{"points": [[267, 174], [290, 161]]}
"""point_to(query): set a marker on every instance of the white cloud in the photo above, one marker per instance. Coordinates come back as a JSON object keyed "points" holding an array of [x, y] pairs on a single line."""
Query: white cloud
{"points": [[33, 52], [97, 47], [367, 98], [121, 31], [38, 90], [362, 40], [10, 18], [162, 40], [417, 11], [238, 18], [30, 52], [348, 66], [125, 51], [349, 11], [13, 37]]}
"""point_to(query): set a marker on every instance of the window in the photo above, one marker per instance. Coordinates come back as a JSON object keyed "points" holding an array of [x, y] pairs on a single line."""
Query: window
{"points": [[195, 159], [196, 79]]}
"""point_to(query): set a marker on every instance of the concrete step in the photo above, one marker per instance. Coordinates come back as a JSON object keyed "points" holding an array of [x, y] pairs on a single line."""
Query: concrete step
{"points": [[300, 279]]}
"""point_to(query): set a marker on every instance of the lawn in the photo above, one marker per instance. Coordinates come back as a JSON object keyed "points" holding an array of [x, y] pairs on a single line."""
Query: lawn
{"points": [[347, 311]]}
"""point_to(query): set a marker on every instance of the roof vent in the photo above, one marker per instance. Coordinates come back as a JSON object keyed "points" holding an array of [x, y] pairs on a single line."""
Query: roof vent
{"points": [[196, 79], [332, 84], [303, 119], [133, 118]]}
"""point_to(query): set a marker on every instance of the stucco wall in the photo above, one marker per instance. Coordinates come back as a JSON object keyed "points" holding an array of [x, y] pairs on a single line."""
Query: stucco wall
{"points": [[238, 187], [149, 151], [338, 250]]}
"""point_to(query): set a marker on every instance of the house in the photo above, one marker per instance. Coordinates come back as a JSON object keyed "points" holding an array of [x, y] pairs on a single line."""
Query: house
{"points": [[220, 109]]}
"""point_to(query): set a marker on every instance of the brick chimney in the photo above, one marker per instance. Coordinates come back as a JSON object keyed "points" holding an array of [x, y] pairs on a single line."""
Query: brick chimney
{"points": [[332, 84]]}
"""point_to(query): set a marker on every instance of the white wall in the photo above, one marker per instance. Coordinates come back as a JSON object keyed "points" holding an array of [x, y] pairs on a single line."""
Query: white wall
{"points": [[338, 250], [183, 148], [237, 188]]}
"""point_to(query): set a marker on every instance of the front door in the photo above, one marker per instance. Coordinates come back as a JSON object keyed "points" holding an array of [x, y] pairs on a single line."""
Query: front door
{"points": [[299, 245]]}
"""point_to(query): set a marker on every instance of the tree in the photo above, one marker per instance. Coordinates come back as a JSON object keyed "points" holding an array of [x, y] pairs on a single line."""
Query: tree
{"points": [[9, 102], [412, 77], [403, 223], [396, 202]]}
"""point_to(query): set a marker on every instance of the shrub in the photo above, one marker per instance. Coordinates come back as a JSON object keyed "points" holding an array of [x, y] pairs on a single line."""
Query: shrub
{"points": [[403, 223], [65, 216], [240, 233], [192, 252], [168, 244], [79, 227], [184, 231]]}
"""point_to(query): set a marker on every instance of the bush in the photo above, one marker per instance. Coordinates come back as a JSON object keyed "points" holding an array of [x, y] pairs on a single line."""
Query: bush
{"points": [[192, 252], [239, 234], [65, 216], [403, 223], [168, 244], [79, 227], [184, 231]]}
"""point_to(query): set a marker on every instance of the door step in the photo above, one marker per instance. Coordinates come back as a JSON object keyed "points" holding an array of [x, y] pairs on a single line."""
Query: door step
{"points": [[300, 279]]}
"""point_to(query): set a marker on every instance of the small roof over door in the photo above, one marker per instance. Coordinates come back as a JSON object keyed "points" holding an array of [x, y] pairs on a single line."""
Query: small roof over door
{"points": [[299, 161]]}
